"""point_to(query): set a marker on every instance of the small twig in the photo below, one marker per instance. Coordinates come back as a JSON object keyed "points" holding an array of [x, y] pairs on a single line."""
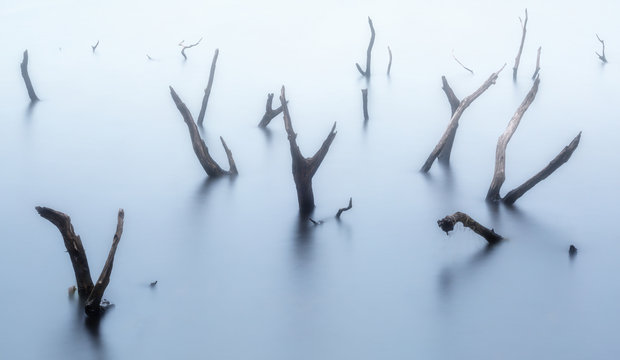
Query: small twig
{"points": [[368, 51], [390, 63], [365, 103], [537, 64], [187, 47], [447, 224], [601, 56], [95, 46], [314, 222], [341, 210], [153, 283], [149, 57], [518, 58], [460, 63]]}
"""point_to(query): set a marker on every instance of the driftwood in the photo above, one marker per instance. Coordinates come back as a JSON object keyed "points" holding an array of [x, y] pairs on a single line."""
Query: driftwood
{"points": [[24, 67], [499, 174], [183, 46], [95, 46], [365, 103], [537, 64], [602, 55], [460, 63], [86, 289], [515, 68], [270, 112], [558, 161], [341, 210], [200, 148], [304, 168], [368, 52], [447, 224], [444, 155], [450, 132], [390, 62], [205, 99]]}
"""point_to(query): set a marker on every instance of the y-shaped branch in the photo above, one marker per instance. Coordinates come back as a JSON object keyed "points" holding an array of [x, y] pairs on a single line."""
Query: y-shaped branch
{"points": [[447, 224], [270, 112], [368, 52], [602, 55], [205, 99]]}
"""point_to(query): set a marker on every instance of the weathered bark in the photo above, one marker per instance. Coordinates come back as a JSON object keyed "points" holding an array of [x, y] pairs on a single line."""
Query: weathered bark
{"points": [[24, 67], [304, 168], [499, 174], [187, 47], [365, 103], [454, 121], [389, 63], [95, 46], [205, 99], [447, 224], [444, 155], [341, 210], [558, 161], [270, 112], [602, 55], [74, 247], [460, 63], [515, 68], [93, 302], [537, 64], [200, 148], [368, 52]]}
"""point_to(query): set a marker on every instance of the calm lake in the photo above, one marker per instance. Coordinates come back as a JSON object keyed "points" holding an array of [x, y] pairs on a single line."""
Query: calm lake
{"points": [[239, 274]]}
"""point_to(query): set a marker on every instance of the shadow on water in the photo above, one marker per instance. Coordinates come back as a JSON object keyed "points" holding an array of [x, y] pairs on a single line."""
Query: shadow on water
{"points": [[459, 273], [30, 110], [304, 240], [268, 135], [87, 330]]}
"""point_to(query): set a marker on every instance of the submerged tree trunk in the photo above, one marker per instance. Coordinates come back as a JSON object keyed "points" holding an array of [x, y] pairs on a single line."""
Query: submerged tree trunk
{"points": [[24, 67], [447, 224], [304, 168], [205, 99], [368, 51]]}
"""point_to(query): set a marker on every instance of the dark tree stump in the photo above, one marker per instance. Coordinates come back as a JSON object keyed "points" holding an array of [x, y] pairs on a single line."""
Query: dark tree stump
{"points": [[205, 99], [24, 67], [447, 224], [366, 73]]}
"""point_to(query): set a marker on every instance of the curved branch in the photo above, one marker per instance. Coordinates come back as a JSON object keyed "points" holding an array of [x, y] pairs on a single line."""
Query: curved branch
{"points": [[447, 224], [366, 73], [602, 55], [187, 47]]}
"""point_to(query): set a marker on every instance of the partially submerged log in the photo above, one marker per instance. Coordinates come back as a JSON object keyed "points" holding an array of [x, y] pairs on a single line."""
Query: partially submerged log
{"points": [[515, 68], [200, 148], [270, 112], [558, 161], [365, 103], [86, 290], [366, 73], [341, 210], [205, 99], [537, 64], [304, 168], [447, 224], [499, 174], [183, 46], [602, 54], [448, 136], [24, 67]]}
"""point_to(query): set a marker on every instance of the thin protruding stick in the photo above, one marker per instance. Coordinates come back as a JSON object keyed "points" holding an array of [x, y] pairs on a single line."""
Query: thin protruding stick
{"points": [[447, 224], [93, 302], [515, 68], [24, 67], [368, 51], [389, 63], [499, 174], [205, 99], [74, 247], [602, 55], [341, 210], [95, 46], [558, 161], [454, 121], [365, 103], [460, 63], [270, 112], [200, 148], [537, 64], [187, 47], [444, 155]]}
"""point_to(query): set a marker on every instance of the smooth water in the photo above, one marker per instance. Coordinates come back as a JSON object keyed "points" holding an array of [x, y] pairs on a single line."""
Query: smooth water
{"points": [[239, 275]]}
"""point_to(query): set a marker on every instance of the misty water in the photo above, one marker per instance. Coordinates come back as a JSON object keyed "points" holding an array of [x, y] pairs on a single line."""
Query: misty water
{"points": [[240, 275]]}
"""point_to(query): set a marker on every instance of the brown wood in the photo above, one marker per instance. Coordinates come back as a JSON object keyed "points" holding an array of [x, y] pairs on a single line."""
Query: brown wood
{"points": [[365, 103], [341, 210], [389, 63], [205, 99], [74, 247], [454, 121], [558, 161], [447, 224], [183, 46], [515, 68], [444, 155], [304, 168], [24, 67], [93, 307], [602, 55], [200, 148], [270, 113], [368, 51], [537, 64], [499, 174]]}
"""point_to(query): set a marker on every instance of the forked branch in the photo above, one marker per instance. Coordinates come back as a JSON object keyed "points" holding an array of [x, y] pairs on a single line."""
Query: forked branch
{"points": [[366, 73], [447, 224], [183, 46], [270, 112], [95, 46], [602, 55]]}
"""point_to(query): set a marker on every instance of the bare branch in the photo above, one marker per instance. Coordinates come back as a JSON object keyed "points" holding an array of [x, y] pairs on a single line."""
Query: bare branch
{"points": [[444, 155], [460, 63], [389, 63], [95, 46], [270, 113], [601, 56], [447, 224], [341, 210], [537, 64], [205, 99], [518, 57], [365, 103], [366, 73], [187, 47], [24, 67]]}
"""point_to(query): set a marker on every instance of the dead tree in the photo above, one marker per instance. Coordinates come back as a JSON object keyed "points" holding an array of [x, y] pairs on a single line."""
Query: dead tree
{"points": [[368, 52], [500, 153], [95, 46], [515, 68], [558, 161], [304, 168], [447, 224], [183, 46], [448, 136], [460, 63], [602, 55], [365, 103], [24, 67], [200, 148], [341, 210], [93, 293], [390, 62], [444, 155], [205, 99], [537, 64], [270, 112]]}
